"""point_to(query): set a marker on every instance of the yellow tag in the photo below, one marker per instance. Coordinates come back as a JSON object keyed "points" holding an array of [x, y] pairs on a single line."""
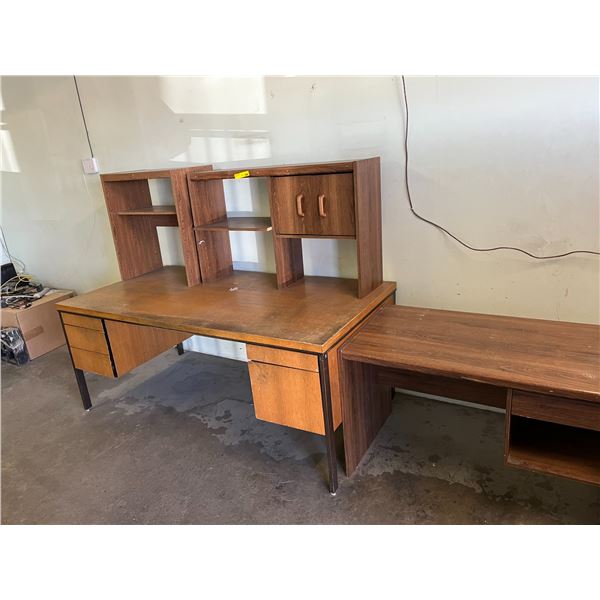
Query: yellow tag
{"points": [[241, 174]]}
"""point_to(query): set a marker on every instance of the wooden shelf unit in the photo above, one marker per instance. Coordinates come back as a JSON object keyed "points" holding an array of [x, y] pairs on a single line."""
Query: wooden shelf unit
{"points": [[323, 200], [134, 219]]}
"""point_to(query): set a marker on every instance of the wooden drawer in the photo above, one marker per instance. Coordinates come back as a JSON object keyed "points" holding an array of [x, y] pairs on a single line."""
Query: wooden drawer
{"points": [[313, 205], [287, 396], [553, 409], [285, 358], [80, 321], [92, 362], [86, 339]]}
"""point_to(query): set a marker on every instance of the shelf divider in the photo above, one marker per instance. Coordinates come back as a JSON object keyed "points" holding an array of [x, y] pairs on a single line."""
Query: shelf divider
{"points": [[149, 211], [238, 224]]}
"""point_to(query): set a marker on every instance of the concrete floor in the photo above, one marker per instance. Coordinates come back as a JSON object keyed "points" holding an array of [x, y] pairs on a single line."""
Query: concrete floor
{"points": [[176, 441]]}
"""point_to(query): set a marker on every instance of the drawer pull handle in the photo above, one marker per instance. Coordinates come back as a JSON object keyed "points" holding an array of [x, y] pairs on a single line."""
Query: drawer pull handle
{"points": [[322, 212], [299, 208]]}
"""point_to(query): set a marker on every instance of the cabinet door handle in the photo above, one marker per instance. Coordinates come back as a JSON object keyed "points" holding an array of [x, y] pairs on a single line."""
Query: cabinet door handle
{"points": [[322, 212], [299, 208]]}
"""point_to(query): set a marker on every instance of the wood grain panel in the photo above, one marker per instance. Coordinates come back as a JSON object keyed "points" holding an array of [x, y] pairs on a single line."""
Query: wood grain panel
{"points": [[239, 224], [278, 171], [135, 238], [335, 380], [285, 358], [133, 345], [337, 205], [367, 405], [367, 190], [551, 357], [137, 175], [151, 211], [92, 362], [86, 339], [81, 321], [469, 391], [286, 396], [333, 361], [289, 263], [181, 197], [311, 315], [207, 200], [564, 411]]}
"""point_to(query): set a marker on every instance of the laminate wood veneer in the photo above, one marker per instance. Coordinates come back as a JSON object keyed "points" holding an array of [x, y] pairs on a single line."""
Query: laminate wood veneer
{"points": [[93, 362], [551, 357], [334, 218], [133, 345], [367, 191], [277, 171], [86, 339], [310, 315], [134, 220], [550, 371]]}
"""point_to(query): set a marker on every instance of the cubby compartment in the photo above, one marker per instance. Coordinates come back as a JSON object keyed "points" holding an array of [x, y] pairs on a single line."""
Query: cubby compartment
{"points": [[553, 435], [135, 219]]}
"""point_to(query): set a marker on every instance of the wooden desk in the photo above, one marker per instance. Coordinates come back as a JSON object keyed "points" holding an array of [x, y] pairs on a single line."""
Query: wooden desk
{"points": [[293, 335], [546, 374]]}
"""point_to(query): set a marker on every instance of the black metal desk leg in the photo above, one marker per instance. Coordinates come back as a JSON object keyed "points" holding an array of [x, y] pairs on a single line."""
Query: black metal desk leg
{"points": [[329, 430], [83, 388], [79, 374]]}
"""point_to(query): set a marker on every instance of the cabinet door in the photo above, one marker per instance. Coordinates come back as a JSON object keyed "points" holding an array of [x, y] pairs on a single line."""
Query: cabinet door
{"points": [[313, 205]]}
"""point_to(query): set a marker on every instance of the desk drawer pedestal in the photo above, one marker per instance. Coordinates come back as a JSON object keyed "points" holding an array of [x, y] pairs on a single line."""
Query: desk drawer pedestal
{"points": [[286, 388], [113, 348], [553, 435]]}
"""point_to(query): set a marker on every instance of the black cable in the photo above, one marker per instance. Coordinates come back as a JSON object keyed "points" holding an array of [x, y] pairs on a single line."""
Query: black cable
{"points": [[87, 133], [416, 214]]}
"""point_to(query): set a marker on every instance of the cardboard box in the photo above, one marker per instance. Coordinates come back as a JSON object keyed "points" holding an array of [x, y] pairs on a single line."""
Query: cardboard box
{"points": [[39, 324]]}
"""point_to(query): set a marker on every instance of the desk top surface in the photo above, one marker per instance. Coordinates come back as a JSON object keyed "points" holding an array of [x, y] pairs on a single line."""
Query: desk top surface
{"points": [[310, 315], [552, 357]]}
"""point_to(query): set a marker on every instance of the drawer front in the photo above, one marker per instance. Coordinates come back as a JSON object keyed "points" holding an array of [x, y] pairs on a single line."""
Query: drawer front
{"points": [[563, 411], [86, 339], [313, 205], [80, 321], [287, 396], [285, 358], [92, 362]]}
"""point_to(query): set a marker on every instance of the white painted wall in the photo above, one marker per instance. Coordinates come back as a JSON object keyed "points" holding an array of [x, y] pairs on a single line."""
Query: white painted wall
{"points": [[511, 161]]}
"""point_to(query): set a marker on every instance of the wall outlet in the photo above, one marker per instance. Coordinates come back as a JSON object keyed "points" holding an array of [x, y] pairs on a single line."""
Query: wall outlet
{"points": [[90, 166]]}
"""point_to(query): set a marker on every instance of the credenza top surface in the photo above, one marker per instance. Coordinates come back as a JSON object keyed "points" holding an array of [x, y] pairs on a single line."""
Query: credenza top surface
{"points": [[553, 357]]}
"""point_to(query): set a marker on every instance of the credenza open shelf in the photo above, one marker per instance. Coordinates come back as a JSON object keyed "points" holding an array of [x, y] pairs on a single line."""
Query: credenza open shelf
{"points": [[553, 435]]}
